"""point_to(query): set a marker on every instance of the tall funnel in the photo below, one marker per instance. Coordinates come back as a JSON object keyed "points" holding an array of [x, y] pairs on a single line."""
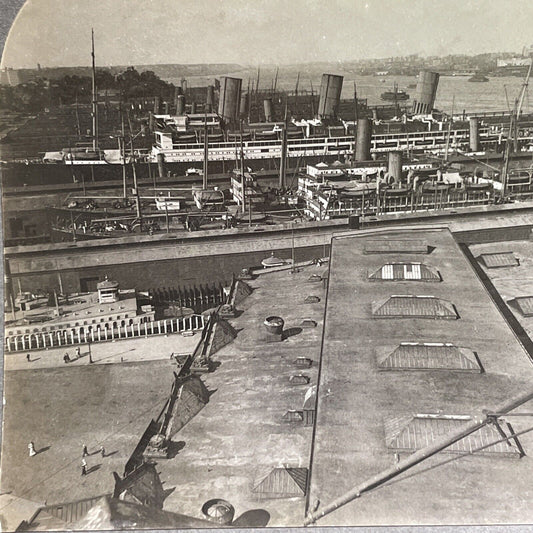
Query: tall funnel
{"points": [[229, 101], [474, 134], [180, 108], [267, 103], [330, 95], [426, 90], [364, 139], [395, 166], [244, 105], [210, 99]]}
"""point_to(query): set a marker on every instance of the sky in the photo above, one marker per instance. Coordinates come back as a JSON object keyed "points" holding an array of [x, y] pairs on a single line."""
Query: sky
{"points": [[255, 32]]}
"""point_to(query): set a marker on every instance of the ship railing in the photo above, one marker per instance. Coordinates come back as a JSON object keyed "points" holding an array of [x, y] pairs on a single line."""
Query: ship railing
{"points": [[102, 332]]}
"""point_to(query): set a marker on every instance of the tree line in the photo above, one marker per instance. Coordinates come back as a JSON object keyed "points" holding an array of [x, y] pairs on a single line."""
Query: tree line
{"points": [[38, 94]]}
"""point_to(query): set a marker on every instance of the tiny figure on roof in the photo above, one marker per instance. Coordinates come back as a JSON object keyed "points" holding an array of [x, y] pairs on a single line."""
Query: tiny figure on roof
{"points": [[31, 449]]}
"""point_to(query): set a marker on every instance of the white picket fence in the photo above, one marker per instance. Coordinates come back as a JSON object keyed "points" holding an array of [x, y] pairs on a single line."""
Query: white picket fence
{"points": [[100, 333]]}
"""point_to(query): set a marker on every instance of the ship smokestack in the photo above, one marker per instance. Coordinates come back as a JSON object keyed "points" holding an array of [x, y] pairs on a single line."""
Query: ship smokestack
{"points": [[177, 92], [395, 166], [229, 100], [364, 139], [243, 111], [210, 99], [267, 104], [426, 90], [330, 95], [180, 109], [474, 134]]}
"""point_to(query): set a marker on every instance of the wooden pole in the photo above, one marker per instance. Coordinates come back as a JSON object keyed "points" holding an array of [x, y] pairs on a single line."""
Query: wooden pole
{"points": [[123, 145], [95, 98], [420, 455]]}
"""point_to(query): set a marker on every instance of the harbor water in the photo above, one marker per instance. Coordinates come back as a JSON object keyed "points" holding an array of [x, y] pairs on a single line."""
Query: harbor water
{"points": [[498, 94]]}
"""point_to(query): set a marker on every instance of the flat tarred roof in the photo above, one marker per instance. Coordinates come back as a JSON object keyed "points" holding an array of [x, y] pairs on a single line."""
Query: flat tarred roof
{"points": [[357, 400]]}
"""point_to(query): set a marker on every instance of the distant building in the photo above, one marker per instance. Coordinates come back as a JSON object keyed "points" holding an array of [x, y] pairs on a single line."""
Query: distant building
{"points": [[514, 62]]}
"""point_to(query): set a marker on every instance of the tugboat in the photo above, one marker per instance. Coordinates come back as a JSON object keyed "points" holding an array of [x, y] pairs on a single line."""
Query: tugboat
{"points": [[477, 77], [395, 95]]}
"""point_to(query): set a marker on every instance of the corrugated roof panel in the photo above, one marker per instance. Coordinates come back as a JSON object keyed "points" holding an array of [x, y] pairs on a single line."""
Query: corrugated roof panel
{"points": [[386, 246], [405, 272], [500, 260], [71, 511], [525, 304], [430, 356], [410, 306], [281, 482], [412, 433]]}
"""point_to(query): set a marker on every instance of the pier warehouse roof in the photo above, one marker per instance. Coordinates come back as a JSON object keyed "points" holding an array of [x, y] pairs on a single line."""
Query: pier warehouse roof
{"points": [[389, 387]]}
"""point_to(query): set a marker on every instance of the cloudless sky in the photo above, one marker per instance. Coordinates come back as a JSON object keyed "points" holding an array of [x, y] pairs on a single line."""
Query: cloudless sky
{"points": [[127, 32]]}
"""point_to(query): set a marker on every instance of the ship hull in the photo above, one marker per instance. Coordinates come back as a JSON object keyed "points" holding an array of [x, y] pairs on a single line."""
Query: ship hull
{"points": [[259, 155], [17, 174]]}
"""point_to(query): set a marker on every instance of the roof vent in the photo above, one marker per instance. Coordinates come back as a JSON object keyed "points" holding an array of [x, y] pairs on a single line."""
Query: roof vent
{"points": [[303, 362], [299, 379], [274, 325], [218, 511]]}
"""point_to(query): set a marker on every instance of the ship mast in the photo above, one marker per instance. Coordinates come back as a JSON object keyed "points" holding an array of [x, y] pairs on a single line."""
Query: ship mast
{"points": [[283, 162], [355, 118], [206, 151], [513, 132], [524, 89], [95, 100]]}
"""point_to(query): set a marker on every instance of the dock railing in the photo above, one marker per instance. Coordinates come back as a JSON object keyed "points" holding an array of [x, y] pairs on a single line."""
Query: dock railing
{"points": [[108, 331]]}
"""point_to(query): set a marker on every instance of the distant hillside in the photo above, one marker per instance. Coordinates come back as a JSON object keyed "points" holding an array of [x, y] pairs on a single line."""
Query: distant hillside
{"points": [[205, 69], [16, 76]]}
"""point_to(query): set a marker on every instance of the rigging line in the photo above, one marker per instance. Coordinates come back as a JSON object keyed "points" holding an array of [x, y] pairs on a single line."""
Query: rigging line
{"points": [[477, 160]]}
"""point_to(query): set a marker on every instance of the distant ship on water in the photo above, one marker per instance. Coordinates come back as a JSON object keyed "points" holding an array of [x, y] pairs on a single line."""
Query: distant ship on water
{"points": [[478, 78]]}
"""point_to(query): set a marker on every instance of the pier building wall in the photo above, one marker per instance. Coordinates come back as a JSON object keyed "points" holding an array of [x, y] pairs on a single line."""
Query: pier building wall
{"points": [[145, 263]]}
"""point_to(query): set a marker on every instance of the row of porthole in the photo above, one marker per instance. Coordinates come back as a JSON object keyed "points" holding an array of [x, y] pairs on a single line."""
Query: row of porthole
{"points": [[53, 328], [61, 329]]}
